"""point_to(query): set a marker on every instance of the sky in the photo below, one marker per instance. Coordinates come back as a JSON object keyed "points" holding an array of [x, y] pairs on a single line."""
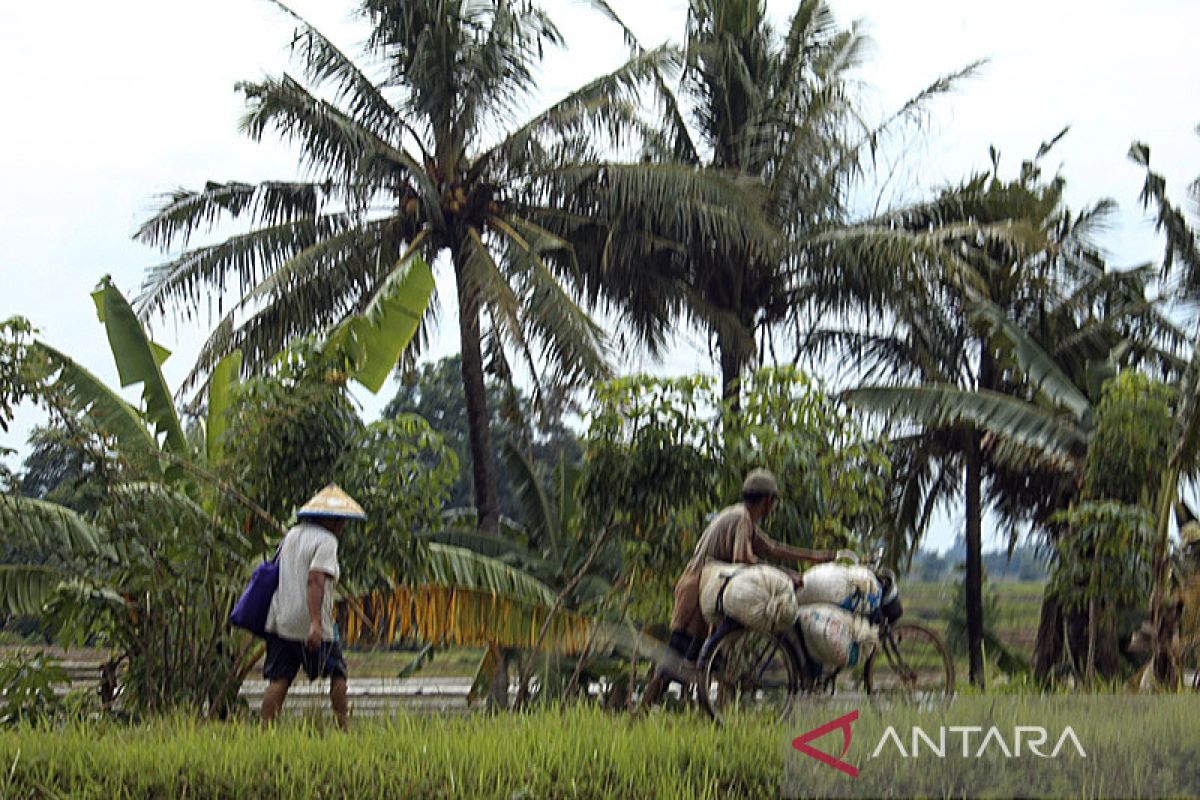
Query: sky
{"points": [[108, 105]]}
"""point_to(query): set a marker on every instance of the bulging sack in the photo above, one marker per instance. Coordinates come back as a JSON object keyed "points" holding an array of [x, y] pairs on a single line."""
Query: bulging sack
{"points": [[853, 588], [835, 637], [761, 597]]}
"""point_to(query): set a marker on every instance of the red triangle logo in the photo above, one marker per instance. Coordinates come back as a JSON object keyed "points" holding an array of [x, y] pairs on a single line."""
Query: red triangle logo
{"points": [[843, 723]]}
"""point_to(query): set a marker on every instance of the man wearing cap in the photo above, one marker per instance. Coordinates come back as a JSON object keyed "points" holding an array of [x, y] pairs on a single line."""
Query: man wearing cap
{"points": [[734, 537], [300, 631]]}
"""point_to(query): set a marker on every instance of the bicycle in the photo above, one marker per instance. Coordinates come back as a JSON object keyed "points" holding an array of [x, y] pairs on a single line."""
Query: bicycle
{"points": [[747, 669]]}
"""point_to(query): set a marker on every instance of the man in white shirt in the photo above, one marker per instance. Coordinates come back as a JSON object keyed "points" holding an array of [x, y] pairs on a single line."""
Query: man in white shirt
{"points": [[300, 629]]}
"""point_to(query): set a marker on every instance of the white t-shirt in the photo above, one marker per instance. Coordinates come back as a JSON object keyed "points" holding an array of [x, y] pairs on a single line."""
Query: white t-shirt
{"points": [[306, 547]]}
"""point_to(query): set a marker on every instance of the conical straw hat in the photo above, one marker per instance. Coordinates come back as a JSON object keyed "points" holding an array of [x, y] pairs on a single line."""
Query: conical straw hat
{"points": [[332, 502]]}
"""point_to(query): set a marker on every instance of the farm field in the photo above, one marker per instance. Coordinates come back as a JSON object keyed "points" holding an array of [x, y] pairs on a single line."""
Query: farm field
{"points": [[578, 753]]}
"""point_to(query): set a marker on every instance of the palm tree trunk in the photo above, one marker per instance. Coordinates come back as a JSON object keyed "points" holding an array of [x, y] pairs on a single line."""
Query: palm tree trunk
{"points": [[1048, 648], [974, 576], [1093, 632], [479, 430], [731, 374]]}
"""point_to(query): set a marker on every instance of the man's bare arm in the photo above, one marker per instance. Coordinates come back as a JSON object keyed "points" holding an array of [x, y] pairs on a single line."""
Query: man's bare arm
{"points": [[316, 596], [767, 547]]}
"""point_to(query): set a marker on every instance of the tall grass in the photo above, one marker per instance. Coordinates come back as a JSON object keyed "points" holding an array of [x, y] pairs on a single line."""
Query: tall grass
{"points": [[582, 753], [1136, 746]]}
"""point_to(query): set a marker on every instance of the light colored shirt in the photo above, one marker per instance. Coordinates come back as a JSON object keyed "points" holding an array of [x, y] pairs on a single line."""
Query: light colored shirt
{"points": [[307, 547], [729, 537]]}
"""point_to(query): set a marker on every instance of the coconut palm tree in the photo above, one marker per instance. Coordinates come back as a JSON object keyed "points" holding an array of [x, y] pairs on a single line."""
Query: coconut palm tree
{"points": [[773, 112], [404, 158], [1005, 334]]}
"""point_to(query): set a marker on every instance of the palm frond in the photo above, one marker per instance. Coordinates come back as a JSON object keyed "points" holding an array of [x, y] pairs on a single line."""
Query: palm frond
{"points": [[573, 342], [937, 406], [270, 203], [605, 104], [1038, 367], [325, 62], [250, 256]]}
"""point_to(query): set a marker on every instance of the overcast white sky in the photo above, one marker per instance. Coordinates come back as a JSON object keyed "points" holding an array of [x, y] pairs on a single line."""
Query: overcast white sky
{"points": [[108, 104]]}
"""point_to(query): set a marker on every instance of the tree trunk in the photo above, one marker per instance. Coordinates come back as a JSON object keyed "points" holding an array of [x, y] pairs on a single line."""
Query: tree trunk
{"points": [[497, 697], [731, 374], [974, 576], [483, 470], [1047, 650], [1093, 633]]}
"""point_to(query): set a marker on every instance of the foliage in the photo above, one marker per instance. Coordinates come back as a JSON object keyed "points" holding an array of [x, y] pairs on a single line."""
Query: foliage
{"points": [[400, 471], [154, 566], [14, 385], [1132, 419], [773, 109], [410, 162], [1103, 554], [833, 477], [1025, 564], [161, 598], [286, 431], [663, 454], [434, 391], [58, 469], [27, 687]]}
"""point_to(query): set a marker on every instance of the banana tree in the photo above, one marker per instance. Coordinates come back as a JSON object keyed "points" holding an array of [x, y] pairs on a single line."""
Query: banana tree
{"points": [[163, 545], [1181, 271]]}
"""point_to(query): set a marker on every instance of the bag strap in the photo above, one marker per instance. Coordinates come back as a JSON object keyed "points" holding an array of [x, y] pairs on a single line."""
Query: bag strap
{"points": [[726, 577]]}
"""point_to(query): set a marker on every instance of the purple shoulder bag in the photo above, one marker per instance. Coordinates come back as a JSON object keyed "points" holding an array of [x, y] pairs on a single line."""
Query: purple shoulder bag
{"points": [[251, 609]]}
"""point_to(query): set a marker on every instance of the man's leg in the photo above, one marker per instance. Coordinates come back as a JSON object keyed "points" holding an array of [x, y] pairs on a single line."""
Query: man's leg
{"points": [[279, 669], [273, 700], [337, 699]]}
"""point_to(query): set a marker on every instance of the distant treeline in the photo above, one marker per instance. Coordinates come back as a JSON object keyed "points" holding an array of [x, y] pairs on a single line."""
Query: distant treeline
{"points": [[1027, 563]]}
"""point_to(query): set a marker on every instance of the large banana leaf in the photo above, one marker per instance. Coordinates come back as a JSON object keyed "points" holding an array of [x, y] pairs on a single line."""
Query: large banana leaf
{"points": [[112, 415], [464, 598], [43, 527], [38, 527], [1037, 365], [25, 588], [540, 515], [373, 341], [139, 360], [220, 393], [940, 405]]}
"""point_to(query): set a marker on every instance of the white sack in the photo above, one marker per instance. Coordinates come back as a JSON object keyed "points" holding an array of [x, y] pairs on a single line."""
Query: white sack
{"points": [[853, 588], [835, 637], [760, 597]]}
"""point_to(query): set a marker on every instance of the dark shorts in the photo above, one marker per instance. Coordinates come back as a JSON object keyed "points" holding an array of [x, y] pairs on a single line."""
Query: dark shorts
{"points": [[285, 658]]}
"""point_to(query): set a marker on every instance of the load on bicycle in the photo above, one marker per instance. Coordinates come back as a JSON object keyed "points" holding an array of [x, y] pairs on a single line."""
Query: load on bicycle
{"points": [[754, 634]]}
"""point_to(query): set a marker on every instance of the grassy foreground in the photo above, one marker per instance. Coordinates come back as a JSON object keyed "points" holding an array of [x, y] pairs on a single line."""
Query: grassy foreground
{"points": [[1135, 747], [579, 753]]}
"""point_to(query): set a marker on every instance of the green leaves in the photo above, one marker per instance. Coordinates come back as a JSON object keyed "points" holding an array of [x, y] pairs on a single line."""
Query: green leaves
{"points": [[371, 342], [220, 394], [939, 405], [1038, 368], [139, 360], [114, 417]]}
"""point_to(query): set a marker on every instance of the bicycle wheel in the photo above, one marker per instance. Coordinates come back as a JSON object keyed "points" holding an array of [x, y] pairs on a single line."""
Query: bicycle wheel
{"points": [[911, 662], [1189, 667], [749, 671]]}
